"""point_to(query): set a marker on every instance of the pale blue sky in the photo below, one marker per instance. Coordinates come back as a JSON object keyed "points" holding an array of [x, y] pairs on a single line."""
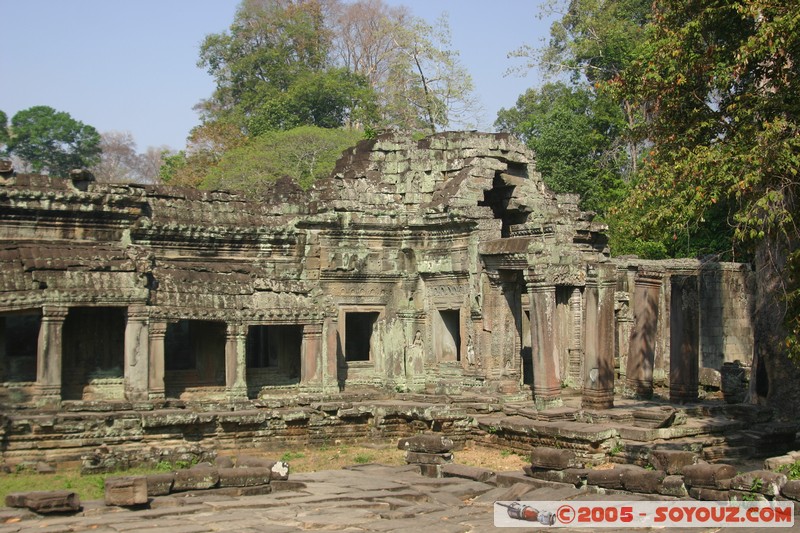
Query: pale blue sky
{"points": [[130, 65]]}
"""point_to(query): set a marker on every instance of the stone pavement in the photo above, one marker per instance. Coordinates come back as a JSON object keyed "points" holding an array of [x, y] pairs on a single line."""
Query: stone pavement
{"points": [[359, 498]]}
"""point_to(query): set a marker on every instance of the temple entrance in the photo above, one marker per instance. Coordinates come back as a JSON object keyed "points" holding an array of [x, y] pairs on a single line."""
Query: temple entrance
{"points": [[447, 335], [19, 338], [93, 354], [194, 356], [273, 356]]}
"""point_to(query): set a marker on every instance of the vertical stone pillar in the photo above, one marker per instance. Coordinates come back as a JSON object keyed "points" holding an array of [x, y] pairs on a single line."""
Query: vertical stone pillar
{"points": [[684, 332], [48, 356], [4, 371], [137, 354], [236, 361], [546, 381], [576, 337], [598, 379], [330, 378], [311, 354], [155, 371], [642, 346]]}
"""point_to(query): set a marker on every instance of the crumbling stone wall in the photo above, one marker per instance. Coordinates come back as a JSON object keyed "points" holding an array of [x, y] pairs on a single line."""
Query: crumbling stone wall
{"points": [[437, 265]]}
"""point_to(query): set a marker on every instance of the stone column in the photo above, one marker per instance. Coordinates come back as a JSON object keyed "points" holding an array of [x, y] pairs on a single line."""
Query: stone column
{"points": [[158, 331], [598, 379], [330, 378], [311, 354], [48, 357], [4, 371], [137, 354], [236, 361], [546, 381], [684, 332], [642, 346], [576, 337]]}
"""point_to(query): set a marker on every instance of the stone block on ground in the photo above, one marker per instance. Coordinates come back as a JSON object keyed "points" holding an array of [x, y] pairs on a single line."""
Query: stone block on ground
{"points": [[126, 491], [673, 486], [791, 489], [672, 461], [428, 458], [554, 458], [779, 463], [247, 461], [709, 495], [645, 481], [573, 476], [224, 462], [709, 378], [244, 477], [45, 502], [707, 475], [654, 417], [428, 470], [195, 479], [426, 443], [44, 468], [467, 472], [160, 484], [280, 470], [607, 479], [759, 481]]}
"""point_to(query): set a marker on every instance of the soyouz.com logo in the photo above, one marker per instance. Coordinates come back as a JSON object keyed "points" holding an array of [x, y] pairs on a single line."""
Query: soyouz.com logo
{"points": [[642, 514]]}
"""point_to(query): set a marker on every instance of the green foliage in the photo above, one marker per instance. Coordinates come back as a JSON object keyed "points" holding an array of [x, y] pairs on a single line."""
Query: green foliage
{"points": [[4, 136], [574, 134], [290, 456], [792, 471], [303, 154], [52, 141], [272, 71], [363, 458]]}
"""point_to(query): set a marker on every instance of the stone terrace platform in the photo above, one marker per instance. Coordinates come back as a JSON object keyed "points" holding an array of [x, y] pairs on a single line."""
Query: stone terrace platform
{"points": [[116, 434]]}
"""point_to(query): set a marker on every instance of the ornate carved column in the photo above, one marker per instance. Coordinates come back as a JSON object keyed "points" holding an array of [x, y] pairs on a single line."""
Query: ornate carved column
{"points": [[311, 354], [158, 331], [598, 379], [576, 337], [684, 344], [236, 361], [49, 352], [137, 354], [642, 346], [546, 381]]}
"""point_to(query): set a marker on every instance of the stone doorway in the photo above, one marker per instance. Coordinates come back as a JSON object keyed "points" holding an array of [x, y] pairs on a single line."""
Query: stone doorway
{"points": [[194, 357], [447, 335], [273, 356], [93, 354], [19, 339]]}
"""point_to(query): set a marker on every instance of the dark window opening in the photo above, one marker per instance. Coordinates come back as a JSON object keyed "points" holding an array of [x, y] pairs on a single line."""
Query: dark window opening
{"points": [[358, 334], [275, 347], [21, 340], [93, 348], [178, 351], [450, 342]]}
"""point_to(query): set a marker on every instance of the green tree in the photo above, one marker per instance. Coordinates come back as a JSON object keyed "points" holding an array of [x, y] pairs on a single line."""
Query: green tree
{"points": [[574, 134], [272, 70], [303, 154], [4, 137], [720, 81], [52, 141]]}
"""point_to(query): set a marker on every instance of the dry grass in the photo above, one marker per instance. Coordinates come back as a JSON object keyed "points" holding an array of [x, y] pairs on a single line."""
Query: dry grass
{"points": [[300, 459]]}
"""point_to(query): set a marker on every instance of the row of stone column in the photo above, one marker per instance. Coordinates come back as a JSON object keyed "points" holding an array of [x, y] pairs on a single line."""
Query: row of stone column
{"points": [[598, 362], [144, 356]]}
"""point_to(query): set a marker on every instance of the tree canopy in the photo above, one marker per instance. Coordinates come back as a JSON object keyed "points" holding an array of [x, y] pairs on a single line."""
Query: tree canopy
{"points": [[52, 141]]}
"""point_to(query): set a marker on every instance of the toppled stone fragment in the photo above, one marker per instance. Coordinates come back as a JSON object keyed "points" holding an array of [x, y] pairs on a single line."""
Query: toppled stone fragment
{"points": [[160, 484], [760, 481], [672, 461], [45, 502], [195, 479], [554, 458], [467, 472], [673, 486], [426, 443], [126, 491], [707, 475], [244, 477]]}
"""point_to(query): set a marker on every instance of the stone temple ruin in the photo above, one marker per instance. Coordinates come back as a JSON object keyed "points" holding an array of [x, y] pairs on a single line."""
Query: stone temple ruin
{"points": [[438, 272]]}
